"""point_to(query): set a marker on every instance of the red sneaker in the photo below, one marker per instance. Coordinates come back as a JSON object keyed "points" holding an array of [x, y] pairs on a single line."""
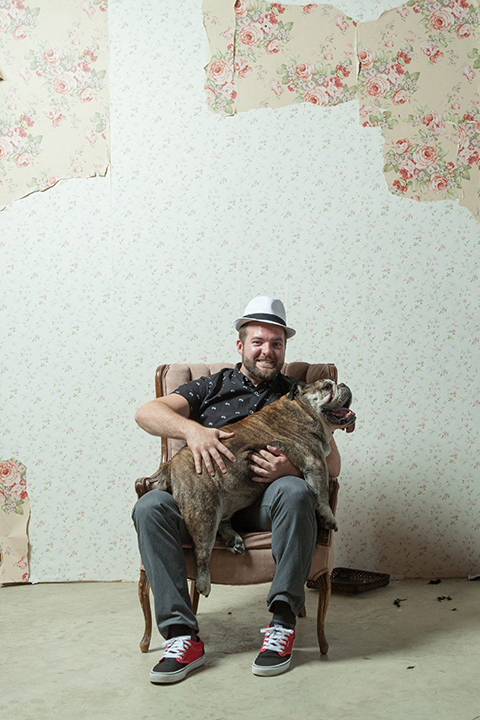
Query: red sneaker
{"points": [[182, 654], [276, 653]]}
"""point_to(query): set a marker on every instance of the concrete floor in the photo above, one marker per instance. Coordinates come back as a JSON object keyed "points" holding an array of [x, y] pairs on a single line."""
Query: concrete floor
{"points": [[71, 651]]}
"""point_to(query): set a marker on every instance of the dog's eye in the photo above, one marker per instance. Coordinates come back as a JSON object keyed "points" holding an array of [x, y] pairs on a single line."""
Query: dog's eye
{"points": [[327, 386]]}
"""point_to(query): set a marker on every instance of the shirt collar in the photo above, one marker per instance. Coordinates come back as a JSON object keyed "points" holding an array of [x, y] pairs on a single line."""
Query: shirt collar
{"points": [[261, 386]]}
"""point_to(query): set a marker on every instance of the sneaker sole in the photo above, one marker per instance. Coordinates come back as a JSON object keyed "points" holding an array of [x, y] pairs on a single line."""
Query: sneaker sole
{"points": [[165, 678], [271, 670]]}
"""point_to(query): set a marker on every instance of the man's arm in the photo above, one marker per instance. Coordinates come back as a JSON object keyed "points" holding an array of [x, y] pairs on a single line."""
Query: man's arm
{"points": [[169, 417], [270, 464], [333, 460]]}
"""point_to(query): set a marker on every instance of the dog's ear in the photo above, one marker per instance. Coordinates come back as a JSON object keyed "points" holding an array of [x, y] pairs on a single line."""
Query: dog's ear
{"points": [[296, 389]]}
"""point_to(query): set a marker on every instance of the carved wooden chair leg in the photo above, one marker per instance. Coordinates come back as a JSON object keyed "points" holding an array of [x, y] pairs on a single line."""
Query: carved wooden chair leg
{"points": [[194, 596], [144, 597], [324, 586], [303, 612]]}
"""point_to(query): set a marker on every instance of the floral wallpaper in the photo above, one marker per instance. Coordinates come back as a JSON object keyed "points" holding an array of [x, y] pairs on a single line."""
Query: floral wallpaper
{"points": [[55, 108], [14, 515], [103, 279], [418, 80], [273, 55]]}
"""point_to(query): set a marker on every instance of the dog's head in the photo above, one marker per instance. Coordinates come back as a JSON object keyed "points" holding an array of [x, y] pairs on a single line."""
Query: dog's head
{"points": [[328, 399]]}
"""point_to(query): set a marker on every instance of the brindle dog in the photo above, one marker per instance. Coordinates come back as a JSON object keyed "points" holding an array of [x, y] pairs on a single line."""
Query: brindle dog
{"points": [[297, 424]]}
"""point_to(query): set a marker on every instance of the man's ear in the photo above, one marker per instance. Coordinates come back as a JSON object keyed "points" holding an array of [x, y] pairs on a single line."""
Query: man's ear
{"points": [[239, 346]]}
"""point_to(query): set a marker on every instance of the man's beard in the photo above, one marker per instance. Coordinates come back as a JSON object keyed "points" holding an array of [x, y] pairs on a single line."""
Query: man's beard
{"points": [[260, 373]]}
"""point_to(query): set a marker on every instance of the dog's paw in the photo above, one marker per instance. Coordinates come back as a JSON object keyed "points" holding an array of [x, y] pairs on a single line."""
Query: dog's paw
{"points": [[231, 538], [327, 519], [203, 582], [236, 546], [331, 525]]}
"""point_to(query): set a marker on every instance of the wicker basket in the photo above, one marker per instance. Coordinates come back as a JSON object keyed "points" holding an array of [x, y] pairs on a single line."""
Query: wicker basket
{"points": [[347, 580]]}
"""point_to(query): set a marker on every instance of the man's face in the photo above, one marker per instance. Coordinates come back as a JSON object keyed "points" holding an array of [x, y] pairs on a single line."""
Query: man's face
{"points": [[263, 351]]}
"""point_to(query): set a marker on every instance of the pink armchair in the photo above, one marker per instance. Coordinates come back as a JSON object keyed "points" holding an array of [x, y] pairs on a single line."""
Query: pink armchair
{"points": [[257, 564]]}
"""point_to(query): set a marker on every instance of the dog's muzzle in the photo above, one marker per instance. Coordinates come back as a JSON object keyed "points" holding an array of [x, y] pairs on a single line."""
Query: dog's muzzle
{"points": [[339, 413]]}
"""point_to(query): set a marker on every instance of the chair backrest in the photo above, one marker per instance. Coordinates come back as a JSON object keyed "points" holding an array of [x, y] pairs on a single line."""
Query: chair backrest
{"points": [[169, 377]]}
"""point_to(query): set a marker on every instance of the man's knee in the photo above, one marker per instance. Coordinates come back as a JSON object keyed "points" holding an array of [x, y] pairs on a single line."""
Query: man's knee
{"points": [[295, 492], [293, 500], [153, 506]]}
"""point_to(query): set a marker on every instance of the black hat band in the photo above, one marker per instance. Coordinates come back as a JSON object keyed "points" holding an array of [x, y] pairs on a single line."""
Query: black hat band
{"points": [[267, 318]]}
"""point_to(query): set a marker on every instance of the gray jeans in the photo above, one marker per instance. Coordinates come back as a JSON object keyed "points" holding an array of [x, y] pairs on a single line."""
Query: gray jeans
{"points": [[287, 509]]}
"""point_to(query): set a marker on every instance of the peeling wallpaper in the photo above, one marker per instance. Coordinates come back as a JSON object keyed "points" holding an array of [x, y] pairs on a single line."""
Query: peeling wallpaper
{"points": [[54, 111], [415, 72], [105, 278]]}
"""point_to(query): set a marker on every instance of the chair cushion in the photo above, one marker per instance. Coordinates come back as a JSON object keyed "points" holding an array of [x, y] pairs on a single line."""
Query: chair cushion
{"points": [[256, 565]]}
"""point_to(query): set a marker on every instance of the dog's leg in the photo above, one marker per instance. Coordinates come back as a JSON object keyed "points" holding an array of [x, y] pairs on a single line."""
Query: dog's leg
{"points": [[318, 478], [315, 472], [203, 536], [231, 538]]}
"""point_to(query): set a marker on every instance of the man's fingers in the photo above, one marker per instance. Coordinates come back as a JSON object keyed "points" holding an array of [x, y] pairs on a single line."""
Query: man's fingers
{"points": [[274, 450], [258, 460], [208, 455], [197, 459], [257, 469], [219, 460], [208, 462], [225, 451]]}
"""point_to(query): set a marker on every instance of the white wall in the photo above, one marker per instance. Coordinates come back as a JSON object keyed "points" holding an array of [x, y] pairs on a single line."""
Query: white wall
{"points": [[103, 279]]}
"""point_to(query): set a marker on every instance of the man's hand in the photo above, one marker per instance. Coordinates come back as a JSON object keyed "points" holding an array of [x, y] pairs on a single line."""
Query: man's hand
{"points": [[206, 446], [270, 464]]}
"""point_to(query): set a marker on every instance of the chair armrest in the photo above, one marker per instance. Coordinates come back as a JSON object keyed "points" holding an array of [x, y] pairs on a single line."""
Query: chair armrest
{"points": [[145, 484]]}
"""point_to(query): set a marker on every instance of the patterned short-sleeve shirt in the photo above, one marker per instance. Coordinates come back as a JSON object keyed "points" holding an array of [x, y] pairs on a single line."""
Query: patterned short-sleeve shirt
{"points": [[229, 395]]}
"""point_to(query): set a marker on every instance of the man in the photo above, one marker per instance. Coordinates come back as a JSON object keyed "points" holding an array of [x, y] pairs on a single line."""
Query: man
{"points": [[194, 412]]}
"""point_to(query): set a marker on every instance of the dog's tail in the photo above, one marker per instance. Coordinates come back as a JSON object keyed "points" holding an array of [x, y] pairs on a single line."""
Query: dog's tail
{"points": [[160, 480]]}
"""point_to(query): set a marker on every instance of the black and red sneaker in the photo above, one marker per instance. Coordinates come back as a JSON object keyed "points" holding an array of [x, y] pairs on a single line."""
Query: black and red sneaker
{"points": [[182, 655], [276, 653]]}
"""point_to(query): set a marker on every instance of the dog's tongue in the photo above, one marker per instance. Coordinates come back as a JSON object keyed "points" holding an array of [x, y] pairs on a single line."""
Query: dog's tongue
{"points": [[341, 412]]}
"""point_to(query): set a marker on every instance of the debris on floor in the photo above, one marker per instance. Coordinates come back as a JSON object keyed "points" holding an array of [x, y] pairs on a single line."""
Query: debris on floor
{"points": [[397, 601]]}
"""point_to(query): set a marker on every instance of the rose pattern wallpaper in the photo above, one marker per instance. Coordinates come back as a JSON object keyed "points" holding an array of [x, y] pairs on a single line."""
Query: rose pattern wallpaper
{"points": [[14, 516], [418, 71], [419, 80], [103, 279], [54, 119]]}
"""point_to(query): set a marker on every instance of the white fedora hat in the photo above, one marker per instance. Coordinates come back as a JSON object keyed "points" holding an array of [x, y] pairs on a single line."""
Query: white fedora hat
{"points": [[266, 310]]}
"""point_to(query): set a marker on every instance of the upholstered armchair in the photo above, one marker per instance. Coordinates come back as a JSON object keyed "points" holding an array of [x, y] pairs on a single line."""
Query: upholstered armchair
{"points": [[257, 564]]}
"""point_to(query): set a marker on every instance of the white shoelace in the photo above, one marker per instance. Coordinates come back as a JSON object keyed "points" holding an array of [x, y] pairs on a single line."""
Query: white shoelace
{"points": [[176, 647], [276, 638]]}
